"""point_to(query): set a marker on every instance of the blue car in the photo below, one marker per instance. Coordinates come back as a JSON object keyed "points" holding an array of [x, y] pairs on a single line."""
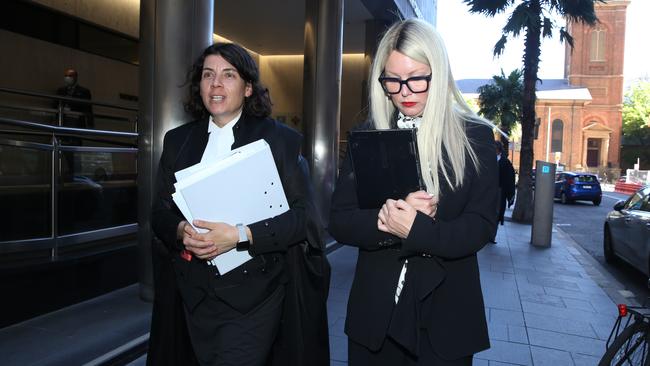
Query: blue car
{"points": [[571, 187]]}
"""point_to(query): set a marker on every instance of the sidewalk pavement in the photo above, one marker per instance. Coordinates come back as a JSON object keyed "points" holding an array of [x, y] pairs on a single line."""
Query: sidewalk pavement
{"points": [[545, 306]]}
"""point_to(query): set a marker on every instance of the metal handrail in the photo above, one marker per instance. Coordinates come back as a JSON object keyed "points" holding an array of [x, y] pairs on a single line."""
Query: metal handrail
{"points": [[67, 99], [67, 131], [54, 241]]}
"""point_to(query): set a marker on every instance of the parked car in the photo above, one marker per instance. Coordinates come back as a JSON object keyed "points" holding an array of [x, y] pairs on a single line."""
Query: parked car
{"points": [[570, 186], [627, 231]]}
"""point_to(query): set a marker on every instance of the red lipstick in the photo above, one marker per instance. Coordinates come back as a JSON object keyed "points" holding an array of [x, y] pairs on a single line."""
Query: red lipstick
{"points": [[408, 104]]}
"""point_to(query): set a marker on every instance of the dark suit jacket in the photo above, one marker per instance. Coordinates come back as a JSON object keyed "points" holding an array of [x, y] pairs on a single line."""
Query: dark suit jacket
{"points": [[79, 92], [255, 280], [247, 285], [442, 291], [506, 177]]}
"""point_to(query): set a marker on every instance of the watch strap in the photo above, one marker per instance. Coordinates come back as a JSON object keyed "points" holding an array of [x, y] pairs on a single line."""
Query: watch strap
{"points": [[243, 243]]}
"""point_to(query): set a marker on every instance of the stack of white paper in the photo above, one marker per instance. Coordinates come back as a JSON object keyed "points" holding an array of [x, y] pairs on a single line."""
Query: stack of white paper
{"points": [[243, 187]]}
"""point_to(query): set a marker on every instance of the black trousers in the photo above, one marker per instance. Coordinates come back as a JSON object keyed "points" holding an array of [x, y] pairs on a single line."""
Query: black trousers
{"points": [[503, 201], [222, 336], [392, 354]]}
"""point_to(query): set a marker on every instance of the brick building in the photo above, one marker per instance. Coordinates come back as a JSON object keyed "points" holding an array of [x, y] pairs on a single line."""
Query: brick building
{"points": [[579, 117]]}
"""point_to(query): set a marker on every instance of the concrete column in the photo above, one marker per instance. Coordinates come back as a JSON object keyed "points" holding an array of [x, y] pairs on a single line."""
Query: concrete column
{"points": [[172, 35], [322, 95], [374, 30]]}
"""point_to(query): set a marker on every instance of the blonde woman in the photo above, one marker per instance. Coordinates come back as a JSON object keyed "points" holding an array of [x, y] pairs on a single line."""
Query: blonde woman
{"points": [[416, 297]]}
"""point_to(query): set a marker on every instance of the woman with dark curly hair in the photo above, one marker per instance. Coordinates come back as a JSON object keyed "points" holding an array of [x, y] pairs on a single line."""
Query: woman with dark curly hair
{"points": [[234, 318]]}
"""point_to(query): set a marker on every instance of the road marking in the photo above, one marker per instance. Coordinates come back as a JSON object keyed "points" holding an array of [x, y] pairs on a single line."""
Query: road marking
{"points": [[618, 198], [563, 224]]}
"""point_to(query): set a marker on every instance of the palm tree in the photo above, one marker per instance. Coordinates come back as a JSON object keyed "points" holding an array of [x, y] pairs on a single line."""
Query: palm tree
{"points": [[533, 18], [501, 100]]}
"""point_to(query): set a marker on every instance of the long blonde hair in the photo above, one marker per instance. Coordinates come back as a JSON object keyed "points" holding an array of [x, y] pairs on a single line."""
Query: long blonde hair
{"points": [[445, 112]]}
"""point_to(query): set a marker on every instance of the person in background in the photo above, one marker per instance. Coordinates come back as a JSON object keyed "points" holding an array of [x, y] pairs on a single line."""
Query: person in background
{"points": [[416, 295], [506, 180], [72, 89], [241, 317]]}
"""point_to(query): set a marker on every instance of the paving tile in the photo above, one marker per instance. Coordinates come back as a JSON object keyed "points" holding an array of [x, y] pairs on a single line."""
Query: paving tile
{"points": [[498, 332], [507, 317], [541, 298], [550, 357], [508, 352], [566, 342], [554, 311], [528, 288], [339, 348], [506, 299], [338, 294], [335, 310], [559, 325], [585, 360], [338, 327], [578, 295], [517, 334], [480, 362], [603, 328], [548, 281], [584, 305]]}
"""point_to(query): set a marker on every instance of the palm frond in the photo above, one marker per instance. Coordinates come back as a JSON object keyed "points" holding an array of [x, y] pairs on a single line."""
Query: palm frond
{"points": [[520, 19], [500, 45], [547, 28], [578, 10], [488, 7], [565, 36]]}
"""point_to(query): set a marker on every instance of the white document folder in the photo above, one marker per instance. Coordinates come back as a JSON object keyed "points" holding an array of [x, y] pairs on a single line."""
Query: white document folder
{"points": [[244, 187]]}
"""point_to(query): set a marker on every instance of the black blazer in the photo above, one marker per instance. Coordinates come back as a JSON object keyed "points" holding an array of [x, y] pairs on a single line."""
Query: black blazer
{"points": [[506, 178], [249, 284], [442, 292]]}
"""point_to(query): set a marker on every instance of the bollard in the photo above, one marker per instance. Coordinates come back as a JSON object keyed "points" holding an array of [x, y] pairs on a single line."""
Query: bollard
{"points": [[543, 204]]}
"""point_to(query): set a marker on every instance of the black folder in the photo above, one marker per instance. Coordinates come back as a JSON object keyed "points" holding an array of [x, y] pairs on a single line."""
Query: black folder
{"points": [[386, 165]]}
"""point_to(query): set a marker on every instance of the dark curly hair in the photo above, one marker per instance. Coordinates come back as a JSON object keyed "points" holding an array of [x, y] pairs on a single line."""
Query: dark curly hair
{"points": [[257, 105]]}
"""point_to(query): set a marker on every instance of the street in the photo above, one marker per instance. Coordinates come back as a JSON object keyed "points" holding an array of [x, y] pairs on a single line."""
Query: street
{"points": [[583, 222]]}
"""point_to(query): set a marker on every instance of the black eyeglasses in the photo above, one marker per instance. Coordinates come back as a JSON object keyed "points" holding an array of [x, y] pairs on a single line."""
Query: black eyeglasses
{"points": [[416, 84]]}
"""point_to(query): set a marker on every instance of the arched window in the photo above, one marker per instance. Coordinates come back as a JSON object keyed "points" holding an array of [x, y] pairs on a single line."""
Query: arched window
{"points": [[557, 133], [597, 51]]}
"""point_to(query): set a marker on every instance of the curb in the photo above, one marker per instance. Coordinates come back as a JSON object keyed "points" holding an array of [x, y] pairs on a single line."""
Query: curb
{"points": [[584, 259]]}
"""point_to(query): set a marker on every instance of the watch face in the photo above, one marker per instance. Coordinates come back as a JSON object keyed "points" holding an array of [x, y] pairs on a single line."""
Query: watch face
{"points": [[243, 245]]}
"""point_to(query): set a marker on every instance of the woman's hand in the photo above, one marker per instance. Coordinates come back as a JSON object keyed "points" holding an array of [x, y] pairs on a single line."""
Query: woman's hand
{"points": [[396, 217], [423, 202], [219, 239]]}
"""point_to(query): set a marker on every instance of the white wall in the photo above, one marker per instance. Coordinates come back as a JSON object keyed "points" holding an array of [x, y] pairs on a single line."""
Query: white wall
{"points": [[120, 15]]}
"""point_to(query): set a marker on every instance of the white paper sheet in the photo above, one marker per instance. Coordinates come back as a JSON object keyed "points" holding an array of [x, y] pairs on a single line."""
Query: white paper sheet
{"points": [[242, 188]]}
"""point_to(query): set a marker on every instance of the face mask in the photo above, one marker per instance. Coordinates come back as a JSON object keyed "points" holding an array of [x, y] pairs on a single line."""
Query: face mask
{"points": [[68, 80]]}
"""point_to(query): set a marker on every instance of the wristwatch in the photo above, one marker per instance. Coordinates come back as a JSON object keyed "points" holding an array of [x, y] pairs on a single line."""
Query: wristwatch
{"points": [[243, 244]]}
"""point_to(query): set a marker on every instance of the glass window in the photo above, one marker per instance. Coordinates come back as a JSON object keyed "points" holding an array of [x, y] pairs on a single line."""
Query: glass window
{"points": [[557, 134], [25, 193], [646, 204], [586, 179], [98, 190], [634, 202], [597, 50]]}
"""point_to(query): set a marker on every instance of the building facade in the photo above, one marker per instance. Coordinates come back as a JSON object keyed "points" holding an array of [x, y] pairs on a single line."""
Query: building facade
{"points": [[579, 118]]}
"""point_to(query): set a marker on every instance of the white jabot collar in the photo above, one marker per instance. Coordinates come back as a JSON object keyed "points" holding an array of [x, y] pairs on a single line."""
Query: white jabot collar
{"points": [[408, 122], [212, 126]]}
